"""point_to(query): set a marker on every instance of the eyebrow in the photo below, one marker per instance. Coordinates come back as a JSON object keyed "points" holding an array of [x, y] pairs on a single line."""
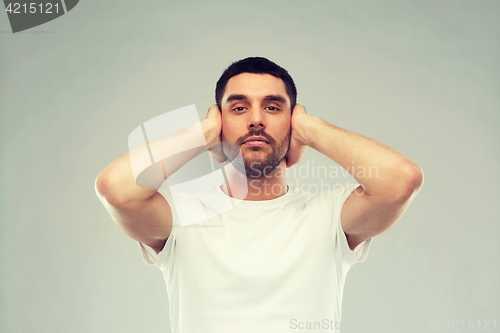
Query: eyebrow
{"points": [[238, 97]]}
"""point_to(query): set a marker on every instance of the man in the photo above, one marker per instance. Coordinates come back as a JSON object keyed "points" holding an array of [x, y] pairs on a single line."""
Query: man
{"points": [[277, 261]]}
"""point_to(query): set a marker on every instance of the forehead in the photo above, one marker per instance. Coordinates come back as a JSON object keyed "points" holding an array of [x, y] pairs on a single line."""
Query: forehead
{"points": [[255, 86]]}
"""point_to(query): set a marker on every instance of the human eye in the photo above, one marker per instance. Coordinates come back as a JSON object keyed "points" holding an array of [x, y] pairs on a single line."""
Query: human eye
{"points": [[272, 108], [238, 109]]}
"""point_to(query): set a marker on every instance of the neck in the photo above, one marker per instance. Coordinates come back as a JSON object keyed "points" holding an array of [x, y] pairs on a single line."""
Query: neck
{"points": [[267, 187]]}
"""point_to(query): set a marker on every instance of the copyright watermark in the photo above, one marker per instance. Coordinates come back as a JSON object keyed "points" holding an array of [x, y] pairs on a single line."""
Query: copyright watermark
{"points": [[262, 183], [328, 324], [448, 324]]}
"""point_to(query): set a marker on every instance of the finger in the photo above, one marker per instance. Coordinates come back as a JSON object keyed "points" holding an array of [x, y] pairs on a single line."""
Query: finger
{"points": [[299, 108], [294, 154], [291, 155], [210, 108], [206, 112]]}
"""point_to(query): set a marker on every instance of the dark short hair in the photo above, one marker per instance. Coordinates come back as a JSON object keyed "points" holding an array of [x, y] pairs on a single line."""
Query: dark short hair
{"points": [[257, 65]]}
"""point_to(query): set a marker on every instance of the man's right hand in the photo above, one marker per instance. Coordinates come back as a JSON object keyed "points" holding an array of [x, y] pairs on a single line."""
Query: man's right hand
{"points": [[212, 128]]}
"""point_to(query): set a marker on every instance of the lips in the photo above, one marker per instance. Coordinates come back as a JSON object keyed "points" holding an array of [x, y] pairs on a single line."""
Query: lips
{"points": [[256, 139]]}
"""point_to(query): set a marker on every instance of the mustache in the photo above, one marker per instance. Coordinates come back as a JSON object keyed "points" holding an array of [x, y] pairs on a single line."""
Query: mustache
{"points": [[256, 132]]}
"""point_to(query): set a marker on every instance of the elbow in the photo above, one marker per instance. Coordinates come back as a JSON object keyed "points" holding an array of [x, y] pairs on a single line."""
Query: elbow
{"points": [[417, 178], [399, 185], [104, 190], [410, 182], [101, 187]]}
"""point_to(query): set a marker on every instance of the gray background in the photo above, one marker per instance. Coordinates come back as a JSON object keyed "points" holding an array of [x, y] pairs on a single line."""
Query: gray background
{"points": [[419, 76]]}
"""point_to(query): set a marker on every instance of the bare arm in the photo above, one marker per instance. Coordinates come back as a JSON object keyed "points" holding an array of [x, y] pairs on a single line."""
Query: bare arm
{"points": [[128, 187], [389, 180]]}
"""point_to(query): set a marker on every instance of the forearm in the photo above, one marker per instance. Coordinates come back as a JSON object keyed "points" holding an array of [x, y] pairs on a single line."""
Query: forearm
{"points": [[380, 169], [137, 175]]}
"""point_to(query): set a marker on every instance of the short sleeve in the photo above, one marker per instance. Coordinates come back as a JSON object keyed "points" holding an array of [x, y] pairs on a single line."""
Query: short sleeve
{"points": [[149, 256], [360, 253]]}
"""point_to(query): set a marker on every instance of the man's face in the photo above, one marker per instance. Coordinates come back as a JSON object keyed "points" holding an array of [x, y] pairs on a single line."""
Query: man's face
{"points": [[256, 117]]}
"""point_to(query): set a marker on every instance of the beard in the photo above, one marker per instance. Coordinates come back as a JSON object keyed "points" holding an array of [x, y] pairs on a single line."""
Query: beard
{"points": [[256, 164]]}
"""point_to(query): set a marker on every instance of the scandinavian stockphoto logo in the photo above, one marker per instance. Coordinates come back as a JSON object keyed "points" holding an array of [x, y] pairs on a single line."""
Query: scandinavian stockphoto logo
{"points": [[172, 146], [28, 14]]}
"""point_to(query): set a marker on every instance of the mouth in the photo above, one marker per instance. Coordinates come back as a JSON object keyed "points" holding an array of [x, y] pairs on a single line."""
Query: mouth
{"points": [[256, 141]]}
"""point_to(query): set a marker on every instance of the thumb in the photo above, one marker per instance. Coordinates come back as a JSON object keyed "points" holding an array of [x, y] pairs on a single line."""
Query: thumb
{"points": [[211, 111]]}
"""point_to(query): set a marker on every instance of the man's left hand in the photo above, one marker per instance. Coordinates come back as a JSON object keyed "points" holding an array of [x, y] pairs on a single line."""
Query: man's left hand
{"points": [[298, 144]]}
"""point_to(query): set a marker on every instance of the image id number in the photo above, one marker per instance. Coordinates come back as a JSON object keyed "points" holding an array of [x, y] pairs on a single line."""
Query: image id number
{"points": [[478, 324], [42, 8]]}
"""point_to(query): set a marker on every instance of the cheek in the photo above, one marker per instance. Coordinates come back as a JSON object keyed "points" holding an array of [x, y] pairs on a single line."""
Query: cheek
{"points": [[233, 128], [224, 126], [282, 134], [285, 128], [228, 131]]}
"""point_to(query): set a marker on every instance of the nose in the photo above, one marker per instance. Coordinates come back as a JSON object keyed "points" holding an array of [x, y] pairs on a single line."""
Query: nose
{"points": [[256, 119]]}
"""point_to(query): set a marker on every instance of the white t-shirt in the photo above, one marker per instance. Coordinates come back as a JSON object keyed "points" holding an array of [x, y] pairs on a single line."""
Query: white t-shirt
{"points": [[263, 266]]}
